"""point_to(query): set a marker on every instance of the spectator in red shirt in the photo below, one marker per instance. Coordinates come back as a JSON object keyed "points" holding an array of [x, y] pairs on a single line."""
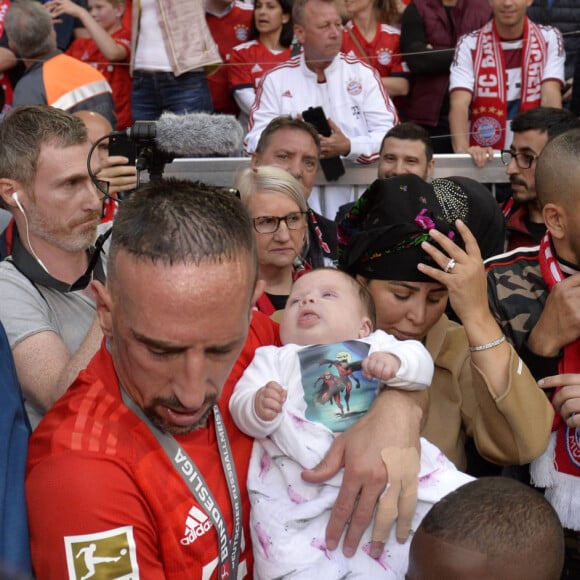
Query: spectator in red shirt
{"points": [[229, 22], [108, 47], [270, 39]]}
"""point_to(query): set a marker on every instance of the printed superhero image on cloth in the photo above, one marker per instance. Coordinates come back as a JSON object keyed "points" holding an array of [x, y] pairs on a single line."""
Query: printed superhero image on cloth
{"points": [[103, 555], [335, 391]]}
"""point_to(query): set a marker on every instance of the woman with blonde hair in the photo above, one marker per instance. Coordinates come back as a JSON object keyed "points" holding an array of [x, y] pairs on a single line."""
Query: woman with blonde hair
{"points": [[276, 203]]}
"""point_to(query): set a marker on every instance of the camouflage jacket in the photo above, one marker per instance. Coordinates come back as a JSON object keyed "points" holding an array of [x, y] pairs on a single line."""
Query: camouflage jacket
{"points": [[517, 294]]}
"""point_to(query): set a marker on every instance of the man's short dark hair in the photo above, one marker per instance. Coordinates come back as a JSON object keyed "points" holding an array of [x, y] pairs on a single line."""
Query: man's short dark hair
{"points": [[411, 132], [173, 221], [501, 518], [26, 129], [283, 122], [557, 170], [549, 120]]}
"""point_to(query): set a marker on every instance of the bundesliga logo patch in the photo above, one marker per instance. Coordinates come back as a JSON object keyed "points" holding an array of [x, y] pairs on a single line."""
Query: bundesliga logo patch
{"points": [[103, 555]]}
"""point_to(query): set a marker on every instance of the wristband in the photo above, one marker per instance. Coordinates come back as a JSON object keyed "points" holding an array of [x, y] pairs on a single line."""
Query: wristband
{"points": [[488, 345]]}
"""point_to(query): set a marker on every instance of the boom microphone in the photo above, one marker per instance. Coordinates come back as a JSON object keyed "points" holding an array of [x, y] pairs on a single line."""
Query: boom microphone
{"points": [[191, 134]]}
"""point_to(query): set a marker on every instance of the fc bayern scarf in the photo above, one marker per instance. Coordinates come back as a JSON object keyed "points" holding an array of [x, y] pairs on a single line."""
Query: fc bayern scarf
{"points": [[489, 107], [558, 469]]}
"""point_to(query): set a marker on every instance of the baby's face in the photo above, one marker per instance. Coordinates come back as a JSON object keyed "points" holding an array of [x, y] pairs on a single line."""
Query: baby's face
{"points": [[323, 307]]}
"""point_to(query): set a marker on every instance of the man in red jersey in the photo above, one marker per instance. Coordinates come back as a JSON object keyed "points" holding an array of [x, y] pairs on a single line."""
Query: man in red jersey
{"points": [[138, 470], [105, 493]]}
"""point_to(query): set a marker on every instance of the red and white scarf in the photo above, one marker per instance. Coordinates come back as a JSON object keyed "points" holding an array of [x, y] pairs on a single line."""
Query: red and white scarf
{"points": [[489, 107], [558, 469]]}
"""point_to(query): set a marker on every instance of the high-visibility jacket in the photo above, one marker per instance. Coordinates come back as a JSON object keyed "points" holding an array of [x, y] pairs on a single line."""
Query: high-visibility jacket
{"points": [[65, 83]]}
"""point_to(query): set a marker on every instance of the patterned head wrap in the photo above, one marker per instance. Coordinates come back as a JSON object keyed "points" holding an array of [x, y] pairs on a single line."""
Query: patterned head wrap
{"points": [[471, 202], [381, 236]]}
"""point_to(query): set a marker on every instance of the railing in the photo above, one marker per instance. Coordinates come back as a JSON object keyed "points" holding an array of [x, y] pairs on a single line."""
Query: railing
{"points": [[221, 171]]}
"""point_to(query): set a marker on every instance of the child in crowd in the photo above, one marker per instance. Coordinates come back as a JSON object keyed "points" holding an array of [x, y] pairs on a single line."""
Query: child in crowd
{"points": [[494, 528], [294, 398], [269, 45], [108, 48]]}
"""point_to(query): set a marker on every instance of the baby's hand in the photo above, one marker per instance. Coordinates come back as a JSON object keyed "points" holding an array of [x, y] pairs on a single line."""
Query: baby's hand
{"points": [[380, 365], [269, 401]]}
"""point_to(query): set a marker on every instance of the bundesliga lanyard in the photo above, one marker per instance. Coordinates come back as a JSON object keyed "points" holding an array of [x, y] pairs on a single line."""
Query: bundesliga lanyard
{"points": [[229, 550]]}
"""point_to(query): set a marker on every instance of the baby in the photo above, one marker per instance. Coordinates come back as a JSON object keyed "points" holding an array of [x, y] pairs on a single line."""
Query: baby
{"points": [[294, 398]]}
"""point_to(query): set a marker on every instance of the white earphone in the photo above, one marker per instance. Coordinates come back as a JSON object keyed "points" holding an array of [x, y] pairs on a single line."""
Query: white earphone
{"points": [[17, 201], [19, 205]]}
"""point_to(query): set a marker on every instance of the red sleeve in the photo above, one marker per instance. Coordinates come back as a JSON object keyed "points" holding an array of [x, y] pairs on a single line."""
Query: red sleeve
{"points": [[239, 71], [123, 38], [348, 44], [397, 64], [76, 48], [114, 517]]}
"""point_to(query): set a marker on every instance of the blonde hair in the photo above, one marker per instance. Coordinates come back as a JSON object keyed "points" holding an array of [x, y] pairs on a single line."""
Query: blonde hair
{"points": [[270, 179]]}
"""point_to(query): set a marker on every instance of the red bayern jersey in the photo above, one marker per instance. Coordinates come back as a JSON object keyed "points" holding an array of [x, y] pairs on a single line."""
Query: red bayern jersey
{"points": [[383, 52], [103, 497], [228, 31], [250, 60], [116, 73]]}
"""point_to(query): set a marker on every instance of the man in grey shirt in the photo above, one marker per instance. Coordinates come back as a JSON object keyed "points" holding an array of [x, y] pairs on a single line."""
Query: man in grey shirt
{"points": [[47, 305]]}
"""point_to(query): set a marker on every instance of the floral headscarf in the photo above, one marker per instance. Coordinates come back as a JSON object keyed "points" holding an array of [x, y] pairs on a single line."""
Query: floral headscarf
{"points": [[380, 238]]}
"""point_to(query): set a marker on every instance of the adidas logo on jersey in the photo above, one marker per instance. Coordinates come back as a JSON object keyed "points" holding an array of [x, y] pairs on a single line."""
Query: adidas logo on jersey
{"points": [[287, 93], [256, 68], [196, 525]]}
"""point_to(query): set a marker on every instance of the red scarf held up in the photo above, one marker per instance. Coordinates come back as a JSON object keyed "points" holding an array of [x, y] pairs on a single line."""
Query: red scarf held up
{"points": [[489, 107], [567, 455]]}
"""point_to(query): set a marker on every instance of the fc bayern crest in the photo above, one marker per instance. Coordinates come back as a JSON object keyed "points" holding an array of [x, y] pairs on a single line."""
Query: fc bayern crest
{"points": [[242, 32], [384, 57], [572, 445], [486, 131], [354, 88]]}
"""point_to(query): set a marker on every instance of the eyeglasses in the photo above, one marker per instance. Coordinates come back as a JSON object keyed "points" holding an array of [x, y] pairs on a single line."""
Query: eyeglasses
{"points": [[102, 186], [523, 160], [268, 224]]}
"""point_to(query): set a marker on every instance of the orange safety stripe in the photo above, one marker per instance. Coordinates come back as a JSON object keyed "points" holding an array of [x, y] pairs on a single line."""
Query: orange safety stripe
{"points": [[68, 81]]}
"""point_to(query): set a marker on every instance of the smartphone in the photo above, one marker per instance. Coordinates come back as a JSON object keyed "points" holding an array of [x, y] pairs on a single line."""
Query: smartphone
{"points": [[121, 144], [332, 167]]}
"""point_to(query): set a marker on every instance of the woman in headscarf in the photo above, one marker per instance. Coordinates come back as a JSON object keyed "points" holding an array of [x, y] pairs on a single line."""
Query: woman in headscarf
{"points": [[397, 241], [470, 201]]}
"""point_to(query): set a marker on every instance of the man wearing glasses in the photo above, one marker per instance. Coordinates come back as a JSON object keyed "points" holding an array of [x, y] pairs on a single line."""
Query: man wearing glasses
{"points": [[532, 130]]}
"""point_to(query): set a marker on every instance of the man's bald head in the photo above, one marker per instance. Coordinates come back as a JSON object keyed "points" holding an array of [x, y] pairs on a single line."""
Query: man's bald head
{"points": [[97, 126], [557, 170]]}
